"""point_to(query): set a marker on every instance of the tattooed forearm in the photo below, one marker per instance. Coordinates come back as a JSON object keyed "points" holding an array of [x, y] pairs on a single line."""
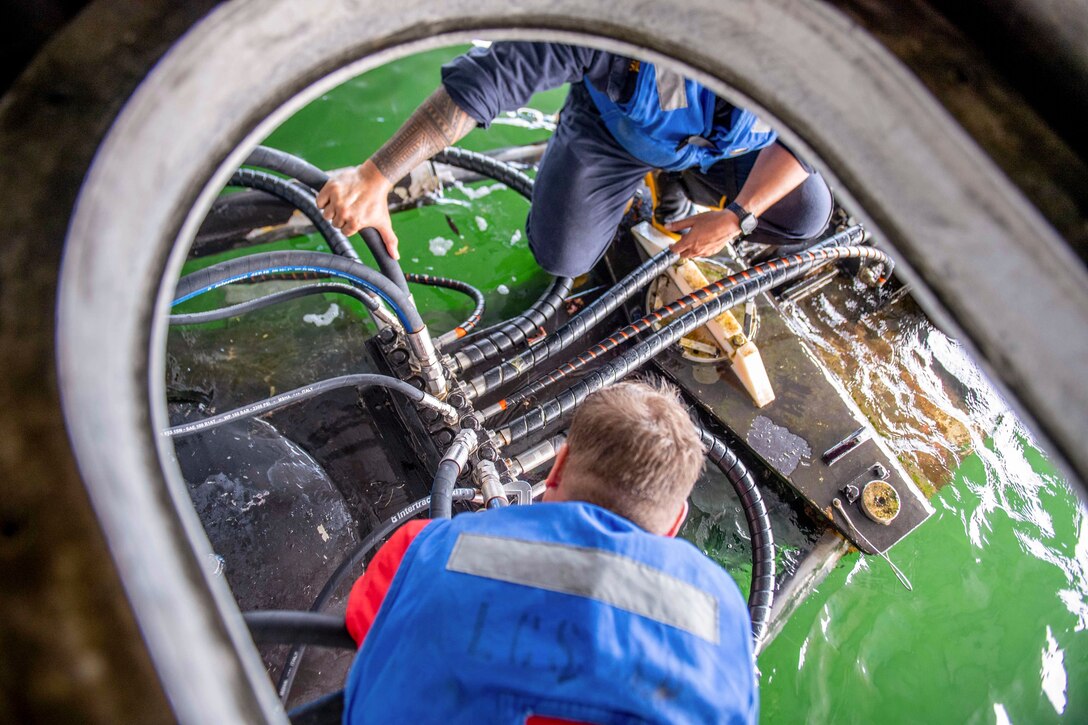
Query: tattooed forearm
{"points": [[435, 125]]}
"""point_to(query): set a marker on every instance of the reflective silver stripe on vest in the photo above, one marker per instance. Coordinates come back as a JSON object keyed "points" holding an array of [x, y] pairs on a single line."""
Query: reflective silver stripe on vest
{"points": [[593, 573], [671, 93]]}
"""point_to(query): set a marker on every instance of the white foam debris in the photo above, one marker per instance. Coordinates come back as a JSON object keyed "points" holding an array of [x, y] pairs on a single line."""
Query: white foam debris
{"points": [[440, 245], [502, 289], [478, 192], [324, 534], [515, 237], [481, 224], [325, 318]]}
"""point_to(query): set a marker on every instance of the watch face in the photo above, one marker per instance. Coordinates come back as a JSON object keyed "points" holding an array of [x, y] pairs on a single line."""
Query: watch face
{"points": [[748, 223]]}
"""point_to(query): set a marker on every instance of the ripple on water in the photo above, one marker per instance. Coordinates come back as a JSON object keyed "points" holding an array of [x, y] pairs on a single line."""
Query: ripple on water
{"points": [[995, 628]]}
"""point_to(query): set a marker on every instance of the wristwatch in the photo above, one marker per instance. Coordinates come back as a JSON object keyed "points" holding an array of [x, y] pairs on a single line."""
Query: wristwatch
{"points": [[747, 219]]}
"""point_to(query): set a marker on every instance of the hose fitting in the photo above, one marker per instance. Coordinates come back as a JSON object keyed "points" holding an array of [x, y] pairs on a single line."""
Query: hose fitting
{"points": [[422, 348], [449, 468], [464, 443], [448, 412], [487, 478], [535, 457]]}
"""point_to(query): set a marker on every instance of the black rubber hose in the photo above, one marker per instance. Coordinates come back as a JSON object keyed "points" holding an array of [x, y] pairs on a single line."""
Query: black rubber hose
{"points": [[487, 166], [305, 201], [516, 330], [761, 593], [359, 380], [289, 165], [442, 489], [289, 627], [799, 263], [541, 416], [519, 328], [300, 265], [302, 199], [458, 286], [195, 318], [576, 328], [376, 535], [522, 327]]}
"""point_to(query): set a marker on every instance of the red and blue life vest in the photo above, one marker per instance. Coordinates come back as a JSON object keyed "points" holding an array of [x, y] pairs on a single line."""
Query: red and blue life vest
{"points": [[668, 122], [560, 610]]}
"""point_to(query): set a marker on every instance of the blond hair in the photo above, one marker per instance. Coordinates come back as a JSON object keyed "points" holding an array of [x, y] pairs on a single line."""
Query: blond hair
{"points": [[634, 450]]}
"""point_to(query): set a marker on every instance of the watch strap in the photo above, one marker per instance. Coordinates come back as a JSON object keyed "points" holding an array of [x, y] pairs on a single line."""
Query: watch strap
{"points": [[746, 218]]}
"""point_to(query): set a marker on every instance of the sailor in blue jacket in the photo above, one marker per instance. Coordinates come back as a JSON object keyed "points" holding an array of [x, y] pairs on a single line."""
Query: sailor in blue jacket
{"points": [[580, 609], [622, 119]]}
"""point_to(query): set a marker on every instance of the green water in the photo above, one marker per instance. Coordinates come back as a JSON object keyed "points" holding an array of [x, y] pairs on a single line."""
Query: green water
{"points": [[993, 630]]}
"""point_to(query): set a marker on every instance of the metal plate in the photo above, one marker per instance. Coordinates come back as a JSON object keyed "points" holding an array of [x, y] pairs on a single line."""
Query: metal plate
{"points": [[810, 415]]}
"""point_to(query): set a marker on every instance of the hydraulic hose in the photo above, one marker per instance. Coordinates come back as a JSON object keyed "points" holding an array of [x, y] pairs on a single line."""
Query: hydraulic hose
{"points": [[516, 330], [796, 265], [289, 165], [458, 286], [305, 201], [761, 593], [575, 329], [360, 380], [370, 301], [523, 326], [288, 627], [332, 585], [487, 166], [300, 265], [302, 199], [520, 328], [766, 276], [449, 468]]}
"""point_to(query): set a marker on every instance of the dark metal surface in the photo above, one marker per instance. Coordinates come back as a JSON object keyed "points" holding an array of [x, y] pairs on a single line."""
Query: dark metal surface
{"points": [[809, 416]]}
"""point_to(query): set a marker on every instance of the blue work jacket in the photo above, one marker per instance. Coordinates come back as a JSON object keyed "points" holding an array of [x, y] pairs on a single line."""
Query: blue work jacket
{"points": [[669, 122], [560, 610]]}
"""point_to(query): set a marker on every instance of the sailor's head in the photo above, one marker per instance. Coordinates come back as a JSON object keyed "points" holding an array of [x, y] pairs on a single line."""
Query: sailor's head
{"points": [[631, 449]]}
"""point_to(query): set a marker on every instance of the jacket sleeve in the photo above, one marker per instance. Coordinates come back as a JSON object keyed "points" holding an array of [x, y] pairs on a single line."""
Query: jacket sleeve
{"points": [[487, 81], [368, 592]]}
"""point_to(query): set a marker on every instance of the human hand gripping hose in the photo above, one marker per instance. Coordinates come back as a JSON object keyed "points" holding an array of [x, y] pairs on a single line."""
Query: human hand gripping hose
{"points": [[509, 332], [304, 200]]}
